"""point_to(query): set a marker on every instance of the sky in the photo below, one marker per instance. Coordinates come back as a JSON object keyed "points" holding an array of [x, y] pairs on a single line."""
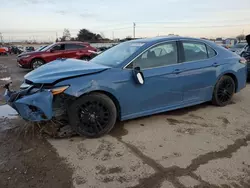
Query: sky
{"points": [[46, 19]]}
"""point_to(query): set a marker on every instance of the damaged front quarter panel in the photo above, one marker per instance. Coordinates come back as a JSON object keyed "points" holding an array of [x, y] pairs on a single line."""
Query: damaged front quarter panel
{"points": [[33, 107]]}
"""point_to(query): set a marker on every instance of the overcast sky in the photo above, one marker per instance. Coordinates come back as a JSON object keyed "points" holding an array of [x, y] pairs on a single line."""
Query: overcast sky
{"points": [[43, 18]]}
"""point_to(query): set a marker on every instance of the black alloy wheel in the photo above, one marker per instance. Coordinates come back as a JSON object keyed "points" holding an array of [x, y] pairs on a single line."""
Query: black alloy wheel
{"points": [[92, 115], [223, 91]]}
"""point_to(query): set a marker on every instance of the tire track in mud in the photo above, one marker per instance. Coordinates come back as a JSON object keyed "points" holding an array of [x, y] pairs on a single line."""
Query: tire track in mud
{"points": [[172, 173]]}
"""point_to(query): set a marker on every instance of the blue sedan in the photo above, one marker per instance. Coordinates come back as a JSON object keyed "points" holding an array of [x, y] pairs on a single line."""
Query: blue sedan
{"points": [[133, 79]]}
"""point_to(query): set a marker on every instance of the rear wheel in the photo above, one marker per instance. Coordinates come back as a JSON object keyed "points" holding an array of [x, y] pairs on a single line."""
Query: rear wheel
{"points": [[36, 63], [92, 115], [223, 91]]}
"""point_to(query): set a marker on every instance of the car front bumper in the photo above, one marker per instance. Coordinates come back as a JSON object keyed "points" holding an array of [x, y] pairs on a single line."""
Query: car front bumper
{"points": [[31, 104], [23, 63]]}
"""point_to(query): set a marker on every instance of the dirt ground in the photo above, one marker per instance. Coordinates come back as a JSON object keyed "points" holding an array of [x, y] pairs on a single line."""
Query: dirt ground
{"points": [[199, 147]]}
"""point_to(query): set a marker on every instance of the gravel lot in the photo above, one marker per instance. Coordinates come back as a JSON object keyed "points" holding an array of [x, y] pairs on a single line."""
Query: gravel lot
{"points": [[200, 146]]}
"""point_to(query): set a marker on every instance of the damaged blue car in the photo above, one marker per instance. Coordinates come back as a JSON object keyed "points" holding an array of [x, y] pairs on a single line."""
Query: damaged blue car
{"points": [[133, 79]]}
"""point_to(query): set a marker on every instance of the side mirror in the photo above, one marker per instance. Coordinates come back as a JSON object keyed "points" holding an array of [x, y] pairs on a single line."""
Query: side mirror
{"points": [[51, 50], [138, 75]]}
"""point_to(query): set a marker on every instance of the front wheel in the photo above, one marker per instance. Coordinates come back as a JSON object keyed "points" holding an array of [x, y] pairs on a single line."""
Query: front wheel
{"points": [[36, 63], [223, 91], [92, 115]]}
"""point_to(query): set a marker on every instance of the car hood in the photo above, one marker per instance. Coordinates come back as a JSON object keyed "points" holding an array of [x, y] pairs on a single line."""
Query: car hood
{"points": [[61, 69], [29, 53]]}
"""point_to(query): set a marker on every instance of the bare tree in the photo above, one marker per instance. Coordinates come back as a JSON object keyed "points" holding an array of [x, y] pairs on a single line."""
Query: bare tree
{"points": [[66, 34], [240, 37]]}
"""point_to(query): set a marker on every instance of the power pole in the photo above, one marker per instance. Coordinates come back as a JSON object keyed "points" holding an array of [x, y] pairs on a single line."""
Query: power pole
{"points": [[134, 29], [113, 35], [1, 37]]}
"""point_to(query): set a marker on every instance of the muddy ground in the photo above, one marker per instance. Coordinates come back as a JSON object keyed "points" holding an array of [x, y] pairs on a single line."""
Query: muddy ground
{"points": [[198, 147]]}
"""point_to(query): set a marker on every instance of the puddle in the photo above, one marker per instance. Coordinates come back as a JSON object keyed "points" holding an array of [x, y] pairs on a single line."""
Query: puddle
{"points": [[5, 79], [7, 112]]}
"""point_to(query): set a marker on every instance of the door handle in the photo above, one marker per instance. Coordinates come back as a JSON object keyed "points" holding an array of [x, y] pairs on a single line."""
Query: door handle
{"points": [[177, 71], [215, 64]]}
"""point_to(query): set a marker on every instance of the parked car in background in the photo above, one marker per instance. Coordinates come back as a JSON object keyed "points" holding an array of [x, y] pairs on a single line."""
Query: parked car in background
{"points": [[29, 49], [160, 74], [76, 50], [237, 48], [21, 48], [15, 50], [245, 53], [224, 45], [3, 51]]}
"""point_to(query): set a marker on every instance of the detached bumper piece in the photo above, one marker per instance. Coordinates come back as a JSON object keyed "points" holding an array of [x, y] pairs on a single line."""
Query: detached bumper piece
{"points": [[31, 104]]}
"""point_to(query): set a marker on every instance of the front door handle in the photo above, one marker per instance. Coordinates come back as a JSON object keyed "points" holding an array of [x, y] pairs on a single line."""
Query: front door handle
{"points": [[215, 64]]}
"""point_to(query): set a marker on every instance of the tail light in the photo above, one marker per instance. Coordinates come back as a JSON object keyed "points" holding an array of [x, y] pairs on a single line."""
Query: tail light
{"points": [[243, 60]]}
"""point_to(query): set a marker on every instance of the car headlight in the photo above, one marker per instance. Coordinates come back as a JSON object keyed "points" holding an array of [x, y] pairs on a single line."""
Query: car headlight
{"points": [[25, 56], [58, 90], [243, 60]]}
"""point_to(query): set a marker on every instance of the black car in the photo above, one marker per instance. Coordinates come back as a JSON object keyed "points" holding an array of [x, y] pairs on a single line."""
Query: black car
{"points": [[29, 49], [246, 54], [15, 50]]}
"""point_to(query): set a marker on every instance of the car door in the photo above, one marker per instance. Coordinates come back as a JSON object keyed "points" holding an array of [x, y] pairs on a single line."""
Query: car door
{"points": [[57, 51], [71, 50], [161, 88], [198, 71]]}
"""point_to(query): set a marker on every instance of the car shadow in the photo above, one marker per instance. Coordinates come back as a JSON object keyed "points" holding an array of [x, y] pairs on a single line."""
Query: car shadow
{"points": [[120, 130]]}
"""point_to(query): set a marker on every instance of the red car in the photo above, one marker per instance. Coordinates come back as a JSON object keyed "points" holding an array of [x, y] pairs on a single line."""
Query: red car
{"points": [[76, 50]]}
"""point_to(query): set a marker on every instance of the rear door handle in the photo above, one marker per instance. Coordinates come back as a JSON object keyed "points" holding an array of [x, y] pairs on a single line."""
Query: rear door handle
{"points": [[177, 71], [215, 64]]}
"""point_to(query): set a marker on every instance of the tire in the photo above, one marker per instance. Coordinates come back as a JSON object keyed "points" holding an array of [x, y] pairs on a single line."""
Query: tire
{"points": [[223, 91], [35, 63], [92, 115], [85, 58]]}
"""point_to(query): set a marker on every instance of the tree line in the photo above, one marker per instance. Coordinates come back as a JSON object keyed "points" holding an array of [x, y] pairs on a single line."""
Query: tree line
{"points": [[83, 35]]}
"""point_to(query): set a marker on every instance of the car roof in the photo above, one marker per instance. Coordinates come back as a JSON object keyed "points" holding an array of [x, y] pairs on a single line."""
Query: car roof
{"points": [[166, 38], [72, 42]]}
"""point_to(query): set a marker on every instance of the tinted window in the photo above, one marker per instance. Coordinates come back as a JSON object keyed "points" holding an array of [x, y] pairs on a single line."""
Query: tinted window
{"points": [[73, 46], [194, 51], [210, 52], [58, 47], [160, 55]]}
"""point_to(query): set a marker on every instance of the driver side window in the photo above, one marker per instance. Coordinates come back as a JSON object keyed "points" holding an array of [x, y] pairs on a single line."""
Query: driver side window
{"points": [[58, 47], [157, 56]]}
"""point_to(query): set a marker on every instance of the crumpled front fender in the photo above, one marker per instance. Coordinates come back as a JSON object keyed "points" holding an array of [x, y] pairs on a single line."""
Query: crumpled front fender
{"points": [[34, 107]]}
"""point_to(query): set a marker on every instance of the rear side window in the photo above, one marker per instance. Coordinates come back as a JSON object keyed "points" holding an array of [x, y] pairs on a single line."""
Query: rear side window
{"points": [[194, 51], [210, 52], [73, 46]]}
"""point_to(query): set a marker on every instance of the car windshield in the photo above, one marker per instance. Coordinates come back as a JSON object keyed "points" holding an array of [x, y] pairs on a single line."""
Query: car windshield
{"points": [[47, 48], [117, 54], [41, 48]]}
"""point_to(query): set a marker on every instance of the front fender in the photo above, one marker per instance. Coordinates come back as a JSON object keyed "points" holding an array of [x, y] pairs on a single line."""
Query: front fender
{"points": [[78, 90]]}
